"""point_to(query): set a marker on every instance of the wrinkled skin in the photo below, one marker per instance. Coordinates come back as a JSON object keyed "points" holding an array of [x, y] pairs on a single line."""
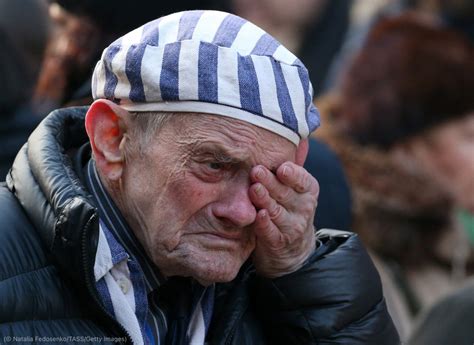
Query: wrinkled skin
{"points": [[209, 192]]}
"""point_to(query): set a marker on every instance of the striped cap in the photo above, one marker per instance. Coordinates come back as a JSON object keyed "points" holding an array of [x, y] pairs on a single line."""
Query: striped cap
{"points": [[209, 62]]}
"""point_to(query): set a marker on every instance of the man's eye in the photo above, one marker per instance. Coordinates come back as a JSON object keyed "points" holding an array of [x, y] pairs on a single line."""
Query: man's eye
{"points": [[215, 165]]}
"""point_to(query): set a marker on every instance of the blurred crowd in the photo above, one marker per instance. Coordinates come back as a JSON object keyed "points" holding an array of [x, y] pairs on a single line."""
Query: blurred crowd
{"points": [[394, 82]]}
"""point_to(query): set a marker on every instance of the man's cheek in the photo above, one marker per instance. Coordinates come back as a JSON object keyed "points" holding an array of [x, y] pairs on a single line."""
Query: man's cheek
{"points": [[188, 195]]}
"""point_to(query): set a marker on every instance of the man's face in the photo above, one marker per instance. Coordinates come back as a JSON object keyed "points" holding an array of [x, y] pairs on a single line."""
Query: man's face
{"points": [[186, 197]]}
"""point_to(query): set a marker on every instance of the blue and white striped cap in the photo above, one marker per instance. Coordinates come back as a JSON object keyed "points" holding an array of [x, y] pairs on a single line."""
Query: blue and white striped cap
{"points": [[209, 62]]}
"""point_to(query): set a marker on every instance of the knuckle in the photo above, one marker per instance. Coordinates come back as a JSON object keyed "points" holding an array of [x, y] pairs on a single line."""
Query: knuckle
{"points": [[300, 228], [283, 195], [284, 241], [276, 211], [302, 184], [314, 187], [308, 208], [278, 243], [294, 237]]}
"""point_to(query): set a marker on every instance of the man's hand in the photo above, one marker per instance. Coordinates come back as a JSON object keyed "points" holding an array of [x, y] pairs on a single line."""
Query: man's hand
{"points": [[286, 203]]}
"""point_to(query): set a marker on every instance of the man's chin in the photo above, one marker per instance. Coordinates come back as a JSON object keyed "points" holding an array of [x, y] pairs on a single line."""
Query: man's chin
{"points": [[216, 267], [207, 276], [205, 266]]}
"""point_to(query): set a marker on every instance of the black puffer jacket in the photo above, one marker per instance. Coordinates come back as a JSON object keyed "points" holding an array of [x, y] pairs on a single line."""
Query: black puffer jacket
{"points": [[49, 235]]}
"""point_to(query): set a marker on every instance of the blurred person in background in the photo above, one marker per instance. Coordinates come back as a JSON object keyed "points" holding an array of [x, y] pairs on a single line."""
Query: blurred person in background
{"points": [[404, 122], [364, 14], [83, 28], [449, 321], [335, 200], [312, 29], [460, 15], [24, 29]]}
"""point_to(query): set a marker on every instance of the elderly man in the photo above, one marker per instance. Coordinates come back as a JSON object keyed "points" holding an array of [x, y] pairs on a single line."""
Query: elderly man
{"points": [[184, 215]]}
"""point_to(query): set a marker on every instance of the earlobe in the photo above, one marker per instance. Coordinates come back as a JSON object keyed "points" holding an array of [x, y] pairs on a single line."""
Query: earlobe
{"points": [[104, 126], [301, 152]]}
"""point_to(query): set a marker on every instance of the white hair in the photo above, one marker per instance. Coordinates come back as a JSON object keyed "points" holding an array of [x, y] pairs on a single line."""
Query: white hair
{"points": [[147, 125]]}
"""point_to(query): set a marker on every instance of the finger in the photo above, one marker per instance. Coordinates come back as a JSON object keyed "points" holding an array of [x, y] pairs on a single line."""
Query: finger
{"points": [[266, 231], [297, 178], [281, 193], [262, 200]]}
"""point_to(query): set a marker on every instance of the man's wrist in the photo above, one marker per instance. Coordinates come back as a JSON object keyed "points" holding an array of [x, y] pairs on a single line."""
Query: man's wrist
{"points": [[297, 263]]}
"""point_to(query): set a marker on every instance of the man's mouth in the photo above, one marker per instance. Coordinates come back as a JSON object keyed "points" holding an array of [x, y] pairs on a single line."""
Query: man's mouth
{"points": [[227, 236]]}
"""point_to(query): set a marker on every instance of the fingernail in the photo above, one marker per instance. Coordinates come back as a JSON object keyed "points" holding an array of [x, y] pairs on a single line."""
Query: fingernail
{"points": [[286, 171], [259, 190], [260, 173]]}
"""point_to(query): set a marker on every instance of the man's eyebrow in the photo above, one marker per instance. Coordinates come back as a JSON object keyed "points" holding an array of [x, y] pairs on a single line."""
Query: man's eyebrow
{"points": [[223, 154], [230, 155]]}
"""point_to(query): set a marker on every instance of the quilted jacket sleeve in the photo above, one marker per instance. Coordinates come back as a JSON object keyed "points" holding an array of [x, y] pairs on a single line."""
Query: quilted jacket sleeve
{"points": [[335, 298]]}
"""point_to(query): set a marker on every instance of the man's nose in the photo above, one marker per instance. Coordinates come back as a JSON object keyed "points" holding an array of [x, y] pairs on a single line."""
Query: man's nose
{"points": [[235, 208]]}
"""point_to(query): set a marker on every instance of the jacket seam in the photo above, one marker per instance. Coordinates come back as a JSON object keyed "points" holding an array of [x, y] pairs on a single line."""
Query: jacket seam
{"points": [[313, 338]]}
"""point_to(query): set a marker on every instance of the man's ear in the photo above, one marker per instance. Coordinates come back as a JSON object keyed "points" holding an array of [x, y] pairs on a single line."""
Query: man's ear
{"points": [[105, 128], [302, 152]]}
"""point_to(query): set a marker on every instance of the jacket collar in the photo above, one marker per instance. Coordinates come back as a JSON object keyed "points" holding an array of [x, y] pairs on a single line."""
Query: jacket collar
{"points": [[56, 201]]}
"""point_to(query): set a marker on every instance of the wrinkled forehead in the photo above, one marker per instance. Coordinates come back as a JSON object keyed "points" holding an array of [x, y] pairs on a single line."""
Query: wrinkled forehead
{"points": [[232, 139]]}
